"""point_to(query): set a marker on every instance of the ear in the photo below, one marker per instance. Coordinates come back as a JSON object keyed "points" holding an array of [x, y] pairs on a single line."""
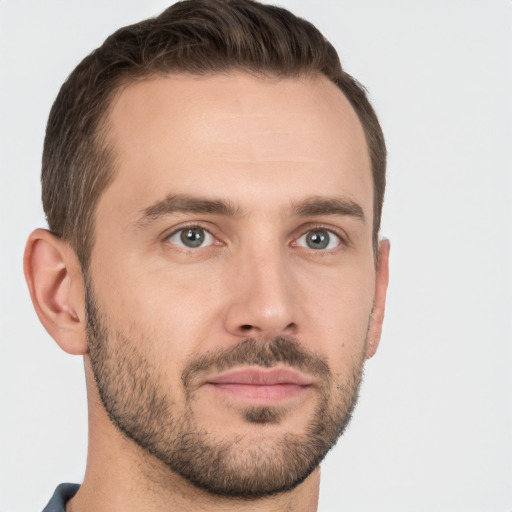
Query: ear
{"points": [[379, 304], [56, 286]]}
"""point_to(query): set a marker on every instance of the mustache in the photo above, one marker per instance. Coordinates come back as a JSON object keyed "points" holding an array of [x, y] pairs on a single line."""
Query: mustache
{"points": [[264, 353]]}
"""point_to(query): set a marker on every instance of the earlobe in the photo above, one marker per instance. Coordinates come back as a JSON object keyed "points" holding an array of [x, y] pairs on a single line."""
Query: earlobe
{"points": [[379, 304], [55, 282]]}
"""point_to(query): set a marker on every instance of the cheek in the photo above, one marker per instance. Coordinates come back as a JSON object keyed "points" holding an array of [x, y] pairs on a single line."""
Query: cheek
{"points": [[340, 309], [179, 310], [171, 312]]}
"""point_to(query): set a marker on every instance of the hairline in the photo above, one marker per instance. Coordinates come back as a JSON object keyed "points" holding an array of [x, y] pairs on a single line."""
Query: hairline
{"points": [[133, 75]]}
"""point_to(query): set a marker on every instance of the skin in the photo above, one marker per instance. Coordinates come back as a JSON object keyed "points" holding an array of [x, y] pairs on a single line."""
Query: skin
{"points": [[264, 145]]}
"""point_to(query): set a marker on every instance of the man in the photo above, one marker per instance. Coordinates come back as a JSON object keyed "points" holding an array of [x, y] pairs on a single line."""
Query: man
{"points": [[213, 183]]}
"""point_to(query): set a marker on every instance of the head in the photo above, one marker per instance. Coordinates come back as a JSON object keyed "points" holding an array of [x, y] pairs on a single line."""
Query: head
{"points": [[218, 179], [199, 38]]}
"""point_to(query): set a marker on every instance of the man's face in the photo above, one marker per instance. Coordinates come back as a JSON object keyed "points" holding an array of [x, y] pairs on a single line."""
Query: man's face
{"points": [[232, 277]]}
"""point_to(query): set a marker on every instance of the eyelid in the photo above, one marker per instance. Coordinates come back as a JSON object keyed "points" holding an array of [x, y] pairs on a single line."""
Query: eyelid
{"points": [[336, 231], [301, 231], [189, 225]]}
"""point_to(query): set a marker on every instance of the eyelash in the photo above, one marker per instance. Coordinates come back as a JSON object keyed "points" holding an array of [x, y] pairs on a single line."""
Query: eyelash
{"points": [[190, 227], [343, 239]]}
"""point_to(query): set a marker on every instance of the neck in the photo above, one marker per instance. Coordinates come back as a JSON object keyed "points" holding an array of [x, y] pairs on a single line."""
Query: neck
{"points": [[115, 481]]}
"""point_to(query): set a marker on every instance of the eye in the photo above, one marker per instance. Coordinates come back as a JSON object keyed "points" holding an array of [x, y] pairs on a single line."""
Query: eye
{"points": [[191, 238], [319, 239]]}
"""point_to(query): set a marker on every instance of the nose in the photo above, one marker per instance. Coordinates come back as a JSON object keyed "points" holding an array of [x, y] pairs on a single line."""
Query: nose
{"points": [[263, 303]]}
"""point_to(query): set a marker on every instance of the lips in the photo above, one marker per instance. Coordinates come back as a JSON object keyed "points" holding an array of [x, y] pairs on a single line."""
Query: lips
{"points": [[260, 385], [261, 377]]}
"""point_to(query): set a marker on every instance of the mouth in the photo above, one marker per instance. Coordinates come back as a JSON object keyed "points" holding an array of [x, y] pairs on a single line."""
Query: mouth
{"points": [[260, 386]]}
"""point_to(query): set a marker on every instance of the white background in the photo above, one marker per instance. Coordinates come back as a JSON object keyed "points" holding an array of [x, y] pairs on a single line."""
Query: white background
{"points": [[433, 429]]}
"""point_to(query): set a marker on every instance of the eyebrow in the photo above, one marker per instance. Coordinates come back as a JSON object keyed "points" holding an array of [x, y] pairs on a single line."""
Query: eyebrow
{"points": [[182, 203], [328, 206]]}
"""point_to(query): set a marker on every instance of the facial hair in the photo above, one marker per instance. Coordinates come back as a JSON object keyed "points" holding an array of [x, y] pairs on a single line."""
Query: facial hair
{"points": [[131, 388]]}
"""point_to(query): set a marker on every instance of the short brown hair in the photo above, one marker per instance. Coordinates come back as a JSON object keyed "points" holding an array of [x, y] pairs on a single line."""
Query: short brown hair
{"points": [[192, 36]]}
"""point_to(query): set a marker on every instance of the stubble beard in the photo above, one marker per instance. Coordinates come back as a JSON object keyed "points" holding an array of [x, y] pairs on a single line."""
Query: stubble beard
{"points": [[132, 392]]}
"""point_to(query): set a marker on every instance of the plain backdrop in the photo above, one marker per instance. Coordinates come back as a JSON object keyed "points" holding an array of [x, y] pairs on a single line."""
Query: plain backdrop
{"points": [[433, 428]]}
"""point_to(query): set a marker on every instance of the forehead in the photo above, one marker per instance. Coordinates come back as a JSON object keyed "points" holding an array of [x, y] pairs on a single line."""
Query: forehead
{"points": [[247, 136]]}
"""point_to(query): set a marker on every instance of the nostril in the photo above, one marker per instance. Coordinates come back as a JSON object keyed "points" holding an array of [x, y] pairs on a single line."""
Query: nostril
{"points": [[291, 329], [246, 327]]}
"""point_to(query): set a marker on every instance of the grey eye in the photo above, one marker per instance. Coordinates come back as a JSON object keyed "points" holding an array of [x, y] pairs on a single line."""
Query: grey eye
{"points": [[319, 239], [191, 238]]}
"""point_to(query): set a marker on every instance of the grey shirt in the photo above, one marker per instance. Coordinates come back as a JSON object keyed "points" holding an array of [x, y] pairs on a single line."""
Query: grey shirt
{"points": [[62, 494]]}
